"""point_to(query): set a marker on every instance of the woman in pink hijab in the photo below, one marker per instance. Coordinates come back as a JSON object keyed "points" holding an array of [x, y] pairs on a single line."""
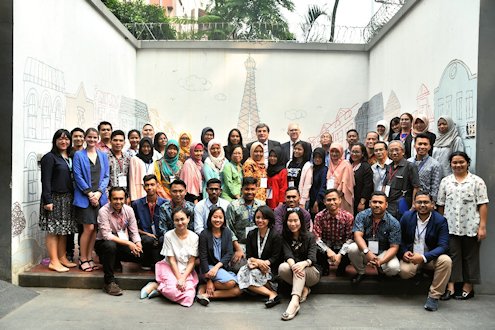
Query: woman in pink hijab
{"points": [[340, 176], [192, 173]]}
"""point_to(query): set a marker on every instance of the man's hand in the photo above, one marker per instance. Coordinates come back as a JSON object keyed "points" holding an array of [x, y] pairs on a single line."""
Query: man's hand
{"points": [[417, 259], [407, 256], [48, 207], [337, 258], [238, 255], [135, 248], [370, 256], [149, 234]]}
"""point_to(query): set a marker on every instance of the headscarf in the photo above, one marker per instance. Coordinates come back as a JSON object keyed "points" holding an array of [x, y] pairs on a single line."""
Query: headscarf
{"points": [[425, 120], [279, 166], [343, 176], [217, 162], [191, 172], [191, 152], [318, 168], [169, 165], [446, 140], [147, 159], [251, 152], [185, 150], [203, 132], [384, 124]]}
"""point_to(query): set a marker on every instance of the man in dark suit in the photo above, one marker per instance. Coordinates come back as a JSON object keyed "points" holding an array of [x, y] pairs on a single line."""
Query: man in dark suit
{"points": [[147, 210], [294, 133], [262, 133], [425, 242]]}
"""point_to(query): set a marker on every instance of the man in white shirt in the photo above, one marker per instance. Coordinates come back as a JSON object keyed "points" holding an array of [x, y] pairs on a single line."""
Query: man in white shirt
{"points": [[262, 133], [203, 207], [294, 133], [379, 168]]}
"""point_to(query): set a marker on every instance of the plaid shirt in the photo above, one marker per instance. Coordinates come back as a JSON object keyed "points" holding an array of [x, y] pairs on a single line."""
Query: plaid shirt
{"points": [[430, 174], [333, 230], [118, 166]]}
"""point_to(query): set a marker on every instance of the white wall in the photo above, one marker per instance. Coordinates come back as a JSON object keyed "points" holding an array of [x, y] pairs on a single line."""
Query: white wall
{"points": [[61, 48]]}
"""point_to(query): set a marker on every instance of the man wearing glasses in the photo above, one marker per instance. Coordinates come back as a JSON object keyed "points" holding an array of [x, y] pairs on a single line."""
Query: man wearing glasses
{"points": [[424, 244]]}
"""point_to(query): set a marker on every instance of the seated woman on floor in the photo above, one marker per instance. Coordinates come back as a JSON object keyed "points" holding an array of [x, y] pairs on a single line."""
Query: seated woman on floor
{"points": [[263, 247], [215, 252]]}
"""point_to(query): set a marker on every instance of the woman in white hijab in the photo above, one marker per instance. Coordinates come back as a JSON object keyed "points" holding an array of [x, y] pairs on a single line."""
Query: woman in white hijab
{"points": [[447, 142], [214, 163], [382, 130]]}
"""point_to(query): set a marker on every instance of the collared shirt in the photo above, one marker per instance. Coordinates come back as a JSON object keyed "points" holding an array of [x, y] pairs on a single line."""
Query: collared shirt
{"points": [[461, 202], [401, 179], [202, 210], [110, 223], [131, 152], [347, 154], [387, 232], [333, 230], [379, 173], [102, 147], [430, 174], [266, 152], [239, 216], [419, 237], [166, 221], [118, 167]]}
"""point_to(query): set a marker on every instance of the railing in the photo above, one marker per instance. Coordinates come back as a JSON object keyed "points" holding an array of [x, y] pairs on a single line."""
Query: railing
{"points": [[382, 16]]}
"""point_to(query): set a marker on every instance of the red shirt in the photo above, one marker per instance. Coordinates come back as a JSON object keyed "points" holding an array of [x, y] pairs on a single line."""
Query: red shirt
{"points": [[278, 185], [333, 230]]}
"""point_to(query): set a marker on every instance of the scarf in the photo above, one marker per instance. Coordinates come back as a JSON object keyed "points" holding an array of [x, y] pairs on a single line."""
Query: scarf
{"points": [[185, 149], [217, 162], [447, 139], [384, 124], [203, 132], [272, 170], [169, 166], [318, 168], [147, 159], [425, 120], [251, 153]]}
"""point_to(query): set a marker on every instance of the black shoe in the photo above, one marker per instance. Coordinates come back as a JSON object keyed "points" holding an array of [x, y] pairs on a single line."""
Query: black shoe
{"points": [[447, 295], [272, 302], [465, 295], [358, 278]]}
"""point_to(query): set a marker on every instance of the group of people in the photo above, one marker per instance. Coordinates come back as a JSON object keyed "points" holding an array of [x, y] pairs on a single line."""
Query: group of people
{"points": [[213, 221]]}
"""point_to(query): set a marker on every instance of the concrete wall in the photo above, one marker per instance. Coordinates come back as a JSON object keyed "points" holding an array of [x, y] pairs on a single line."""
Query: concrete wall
{"points": [[71, 68]]}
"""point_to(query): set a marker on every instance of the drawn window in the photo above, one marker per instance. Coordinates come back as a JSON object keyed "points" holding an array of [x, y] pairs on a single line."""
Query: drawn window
{"points": [[58, 113], [31, 115], [80, 116], [32, 168], [469, 105], [45, 118], [448, 101], [458, 105]]}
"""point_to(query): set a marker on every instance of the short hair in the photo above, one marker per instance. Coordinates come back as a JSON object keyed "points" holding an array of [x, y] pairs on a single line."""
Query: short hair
{"points": [[423, 193], [149, 177], [133, 131], [89, 130], [261, 125], [401, 145], [114, 189], [384, 144], [292, 188], [178, 182], [210, 215], [462, 154], [117, 132], [77, 129], [409, 115], [377, 135], [378, 193], [352, 130], [148, 124], [333, 190], [423, 136], [103, 123], [213, 181], [249, 180], [363, 150], [235, 146], [286, 233], [267, 213], [59, 133], [181, 209]]}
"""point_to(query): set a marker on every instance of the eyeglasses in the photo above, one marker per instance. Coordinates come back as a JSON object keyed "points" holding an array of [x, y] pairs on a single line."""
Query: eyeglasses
{"points": [[293, 209]]}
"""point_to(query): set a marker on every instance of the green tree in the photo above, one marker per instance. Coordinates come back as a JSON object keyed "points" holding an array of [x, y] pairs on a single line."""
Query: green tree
{"points": [[254, 19]]}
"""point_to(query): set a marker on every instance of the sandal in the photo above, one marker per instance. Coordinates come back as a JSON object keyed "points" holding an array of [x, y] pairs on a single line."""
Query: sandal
{"points": [[286, 316], [93, 265], [61, 269], [85, 269]]}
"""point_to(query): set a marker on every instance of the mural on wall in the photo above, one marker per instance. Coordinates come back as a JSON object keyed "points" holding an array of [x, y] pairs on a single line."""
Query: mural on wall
{"points": [[249, 115], [456, 96], [368, 115]]}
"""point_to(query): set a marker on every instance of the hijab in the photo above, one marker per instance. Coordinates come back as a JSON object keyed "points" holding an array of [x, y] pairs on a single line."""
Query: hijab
{"points": [[191, 172], [318, 168], [185, 150], [203, 132], [447, 139], [385, 134], [169, 165], [343, 175], [193, 147], [218, 162], [279, 166], [251, 152], [147, 159], [425, 120]]}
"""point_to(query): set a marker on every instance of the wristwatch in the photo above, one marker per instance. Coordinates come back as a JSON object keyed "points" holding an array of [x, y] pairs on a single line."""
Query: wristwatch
{"points": [[365, 251]]}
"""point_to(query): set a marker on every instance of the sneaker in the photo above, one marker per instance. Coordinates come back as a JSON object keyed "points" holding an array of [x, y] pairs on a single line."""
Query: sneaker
{"points": [[112, 289], [431, 304]]}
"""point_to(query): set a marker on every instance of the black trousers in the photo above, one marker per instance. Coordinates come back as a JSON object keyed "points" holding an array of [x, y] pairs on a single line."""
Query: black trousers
{"points": [[151, 250], [111, 252], [322, 260]]}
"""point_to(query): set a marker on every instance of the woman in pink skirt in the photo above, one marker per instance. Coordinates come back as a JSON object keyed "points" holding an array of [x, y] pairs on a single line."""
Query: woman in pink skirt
{"points": [[175, 274]]}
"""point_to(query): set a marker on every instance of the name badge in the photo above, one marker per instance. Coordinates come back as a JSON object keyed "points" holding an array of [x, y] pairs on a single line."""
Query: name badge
{"points": [[122, 180], [387, 190], [269, 193], [248, 229], [263, 182], [172, 178], [122, 234], [373, 246], [331, 183], [291, 184]]}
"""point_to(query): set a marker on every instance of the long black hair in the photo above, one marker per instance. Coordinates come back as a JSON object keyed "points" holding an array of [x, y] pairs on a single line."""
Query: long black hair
{"points": [[59, 133], [286, 233]]}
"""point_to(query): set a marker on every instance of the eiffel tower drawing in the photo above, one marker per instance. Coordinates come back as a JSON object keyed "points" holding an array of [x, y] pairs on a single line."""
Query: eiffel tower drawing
{"points": [[249, 114]]}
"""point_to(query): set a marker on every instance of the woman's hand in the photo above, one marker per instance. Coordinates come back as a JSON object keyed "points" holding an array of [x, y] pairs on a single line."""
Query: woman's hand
{"points": [[238, 255], [212, 273], [181, 284], [264, 266], [298, 268], [48, 207], [481, 233]]}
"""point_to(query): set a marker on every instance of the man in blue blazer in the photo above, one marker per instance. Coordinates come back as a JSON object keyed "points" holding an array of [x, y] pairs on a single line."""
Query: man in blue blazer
{"points": [[425, 243], [147, 211]]}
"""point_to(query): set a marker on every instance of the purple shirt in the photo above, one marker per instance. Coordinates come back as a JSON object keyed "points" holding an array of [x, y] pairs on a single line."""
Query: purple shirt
{"points": [[110, 223]]}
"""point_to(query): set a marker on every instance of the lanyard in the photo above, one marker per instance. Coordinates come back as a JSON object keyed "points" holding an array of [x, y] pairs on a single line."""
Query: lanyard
{"points": [[392, 174], [422, 163], [261, 245], [120, 217], [375, 227], [119, 161], [419, 234], [68, 161]]}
